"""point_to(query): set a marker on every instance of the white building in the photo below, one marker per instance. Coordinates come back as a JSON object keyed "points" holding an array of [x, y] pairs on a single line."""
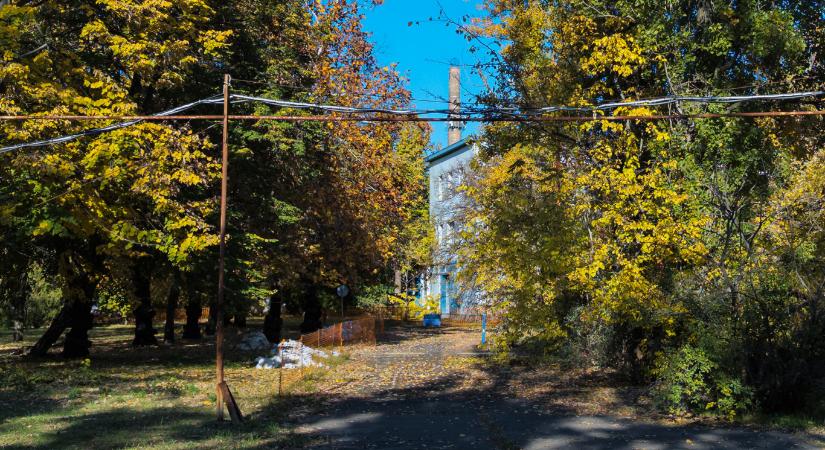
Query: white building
{"points": [[446, 169]]}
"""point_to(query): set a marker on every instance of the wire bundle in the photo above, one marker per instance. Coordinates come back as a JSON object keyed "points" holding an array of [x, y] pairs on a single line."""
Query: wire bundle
{"points": [[117, 126], [366, 114]]}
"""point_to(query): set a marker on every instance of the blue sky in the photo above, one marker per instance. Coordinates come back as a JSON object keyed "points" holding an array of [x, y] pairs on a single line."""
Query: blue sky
{"points": [[424, 51]]}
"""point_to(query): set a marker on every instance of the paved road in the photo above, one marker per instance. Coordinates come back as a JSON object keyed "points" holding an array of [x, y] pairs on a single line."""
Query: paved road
{"points": [[411, 398]]}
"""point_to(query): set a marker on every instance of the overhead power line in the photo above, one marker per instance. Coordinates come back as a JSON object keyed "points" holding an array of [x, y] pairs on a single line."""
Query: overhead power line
{"points": [[670, 100], [336, 108], [340, 113], [131, 120], [661, 101]]}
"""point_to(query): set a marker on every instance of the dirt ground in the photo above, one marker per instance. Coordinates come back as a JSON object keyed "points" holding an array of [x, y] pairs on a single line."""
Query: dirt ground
{"points": [[432, 388]]}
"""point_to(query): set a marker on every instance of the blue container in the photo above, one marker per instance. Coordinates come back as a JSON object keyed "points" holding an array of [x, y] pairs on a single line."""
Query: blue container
{"points": [[432, 320]]}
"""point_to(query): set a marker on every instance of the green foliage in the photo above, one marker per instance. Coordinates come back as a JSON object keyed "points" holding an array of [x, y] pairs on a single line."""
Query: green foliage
{"points": [[372, 296], [619, 242], [34, 301], [689, 381], [329, 300], [113, 301], [44, 298]]}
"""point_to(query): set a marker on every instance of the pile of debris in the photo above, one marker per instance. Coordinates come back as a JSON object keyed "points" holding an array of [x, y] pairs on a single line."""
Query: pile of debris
{"points": [[254, 341], [292, 355]]}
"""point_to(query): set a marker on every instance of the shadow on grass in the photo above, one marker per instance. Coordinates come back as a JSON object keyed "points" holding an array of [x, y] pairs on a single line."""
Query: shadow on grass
{"points": [[164, 427]]}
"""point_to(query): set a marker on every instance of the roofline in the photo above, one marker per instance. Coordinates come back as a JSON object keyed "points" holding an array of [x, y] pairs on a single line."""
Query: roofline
{"points": [[446, 151]]}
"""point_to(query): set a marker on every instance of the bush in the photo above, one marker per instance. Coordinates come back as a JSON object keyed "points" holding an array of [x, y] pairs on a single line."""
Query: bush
{"points": [[583, 344], [371, 296], [44, 297], [415, 310], [689, 381]]}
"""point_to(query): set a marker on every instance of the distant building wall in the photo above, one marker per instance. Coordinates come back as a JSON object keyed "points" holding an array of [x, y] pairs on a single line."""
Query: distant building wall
{"points": [[447, 170]]}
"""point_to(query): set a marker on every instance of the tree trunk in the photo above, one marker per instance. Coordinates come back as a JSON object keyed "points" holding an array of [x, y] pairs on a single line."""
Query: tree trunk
{"points": [[312, 310], [17, 333], [78, 291], [82, 288], [77, 343], [192, 329], [212, 322], [14, 285], [56, 328], [18, 308], [144, 313], [171, 307], [399, 287], [273, 321]]}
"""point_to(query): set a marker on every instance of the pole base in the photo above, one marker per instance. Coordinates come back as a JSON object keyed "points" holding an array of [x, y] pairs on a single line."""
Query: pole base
{"points": [[225, 397]]}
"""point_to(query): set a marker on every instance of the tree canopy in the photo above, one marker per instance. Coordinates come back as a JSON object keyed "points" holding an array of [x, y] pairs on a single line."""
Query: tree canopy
{"points": [[310, 204], [656, 246]]}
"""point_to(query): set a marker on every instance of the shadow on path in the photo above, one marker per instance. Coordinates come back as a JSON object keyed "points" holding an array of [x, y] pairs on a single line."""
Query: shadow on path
{"points": [[444, 413]]}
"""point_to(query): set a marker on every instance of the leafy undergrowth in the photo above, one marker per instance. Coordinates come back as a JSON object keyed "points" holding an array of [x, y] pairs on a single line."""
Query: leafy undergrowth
{"points": [[600, 391], [157, 397]]}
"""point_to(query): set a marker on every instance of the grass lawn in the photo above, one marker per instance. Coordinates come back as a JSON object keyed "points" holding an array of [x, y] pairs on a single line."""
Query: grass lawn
{"points": [[157, 397]]}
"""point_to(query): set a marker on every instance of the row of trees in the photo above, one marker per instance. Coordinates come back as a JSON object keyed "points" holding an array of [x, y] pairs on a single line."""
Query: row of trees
{"points": [[122, 219], [686, 253]]}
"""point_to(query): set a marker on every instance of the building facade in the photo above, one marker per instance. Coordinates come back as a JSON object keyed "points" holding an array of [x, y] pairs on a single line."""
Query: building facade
{"points": [[446, 171]]}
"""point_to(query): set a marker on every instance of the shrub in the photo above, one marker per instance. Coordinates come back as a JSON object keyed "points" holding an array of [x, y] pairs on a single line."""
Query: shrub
{"points": [[371, 296], [689, 381], [415, 309]]}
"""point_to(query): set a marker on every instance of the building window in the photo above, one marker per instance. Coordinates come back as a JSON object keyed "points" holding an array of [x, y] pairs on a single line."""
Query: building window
{"points": [[453, 231]]}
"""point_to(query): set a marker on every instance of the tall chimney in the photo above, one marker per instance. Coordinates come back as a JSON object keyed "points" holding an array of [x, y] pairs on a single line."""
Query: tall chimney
{"points": [[455, 126]]}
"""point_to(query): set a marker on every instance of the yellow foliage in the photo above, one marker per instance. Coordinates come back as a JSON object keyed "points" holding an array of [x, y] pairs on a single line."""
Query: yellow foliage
{"points": [[616, 53]]}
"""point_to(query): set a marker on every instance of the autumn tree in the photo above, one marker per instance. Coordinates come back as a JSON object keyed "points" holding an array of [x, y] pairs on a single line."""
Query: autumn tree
{"points": [[337, 195], [625, 240], [312, 205], [120, 194]]}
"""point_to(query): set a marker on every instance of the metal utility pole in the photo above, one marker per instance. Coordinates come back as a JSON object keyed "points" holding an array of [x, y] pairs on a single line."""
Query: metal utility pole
{"points": [[223, 395]]}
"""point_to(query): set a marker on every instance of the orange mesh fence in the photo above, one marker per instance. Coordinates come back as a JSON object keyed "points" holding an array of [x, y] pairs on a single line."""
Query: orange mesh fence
{"points": [[355, 331], [467, 317], [180, 315], [392, 312]]}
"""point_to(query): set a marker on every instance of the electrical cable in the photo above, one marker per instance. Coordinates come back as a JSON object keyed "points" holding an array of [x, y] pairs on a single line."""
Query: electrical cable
{"points": [[117, 126], [367, 115], [338, 109], [664, 101], [661, 101]]}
